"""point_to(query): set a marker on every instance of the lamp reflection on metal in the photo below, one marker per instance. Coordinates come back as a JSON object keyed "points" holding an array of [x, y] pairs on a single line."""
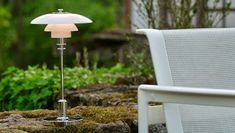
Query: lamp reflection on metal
{"points": [[61, 24]]}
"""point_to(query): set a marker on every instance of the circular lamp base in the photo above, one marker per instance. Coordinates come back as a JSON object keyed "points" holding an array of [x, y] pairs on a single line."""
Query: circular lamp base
{"points": [[61, 122]]}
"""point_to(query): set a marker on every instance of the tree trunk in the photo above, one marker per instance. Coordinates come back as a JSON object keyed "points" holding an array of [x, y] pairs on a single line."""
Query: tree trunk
{"points": [[202, 15], [163, 22], [18, 14]]}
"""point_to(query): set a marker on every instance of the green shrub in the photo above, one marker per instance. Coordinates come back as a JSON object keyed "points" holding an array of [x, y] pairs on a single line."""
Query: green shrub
{"points": [[38, 87]]}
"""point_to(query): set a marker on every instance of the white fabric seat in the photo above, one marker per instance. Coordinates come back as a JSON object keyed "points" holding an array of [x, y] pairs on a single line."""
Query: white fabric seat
{"points": [[195, 70]]}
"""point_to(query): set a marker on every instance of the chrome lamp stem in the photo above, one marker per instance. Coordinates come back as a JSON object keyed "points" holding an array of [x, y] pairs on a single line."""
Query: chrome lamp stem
{"points": [[62, 101]]}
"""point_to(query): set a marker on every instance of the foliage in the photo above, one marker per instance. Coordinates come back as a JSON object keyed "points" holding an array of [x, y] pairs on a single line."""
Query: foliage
{"points": [[181, 13], [38, 87], [178, 14], [27, 89], [6, 36], [148, 10], [23, 44], [139, 58]]}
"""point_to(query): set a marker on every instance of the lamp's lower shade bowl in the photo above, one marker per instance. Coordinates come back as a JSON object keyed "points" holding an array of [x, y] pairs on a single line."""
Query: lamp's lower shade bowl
{"points": [[61, 34], [53, 121]]}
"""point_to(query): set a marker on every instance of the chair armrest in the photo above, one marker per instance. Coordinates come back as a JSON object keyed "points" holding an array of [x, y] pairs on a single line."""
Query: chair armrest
{"points": [[188, 95]]}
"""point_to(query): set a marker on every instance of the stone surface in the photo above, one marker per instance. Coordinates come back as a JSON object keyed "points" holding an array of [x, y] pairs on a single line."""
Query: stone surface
{"points": [[95, 119], [108, 109], [101, 95], [157, 128], [115, 127]]}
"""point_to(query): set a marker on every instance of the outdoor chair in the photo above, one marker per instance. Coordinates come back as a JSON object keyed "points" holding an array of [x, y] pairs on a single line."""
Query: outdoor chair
{"points": [[195, 71]]}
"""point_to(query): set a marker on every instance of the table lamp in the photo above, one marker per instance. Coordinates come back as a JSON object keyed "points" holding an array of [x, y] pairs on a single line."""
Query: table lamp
{"points": [[61, 24]]}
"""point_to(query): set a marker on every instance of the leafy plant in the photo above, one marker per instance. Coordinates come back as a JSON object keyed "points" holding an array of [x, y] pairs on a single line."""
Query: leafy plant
{"points": [[139, 58], [38, 87], [27, 89]]}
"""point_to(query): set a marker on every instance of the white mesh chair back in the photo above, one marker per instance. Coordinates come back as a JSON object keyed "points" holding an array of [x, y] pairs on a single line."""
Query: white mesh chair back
{"points": [[195, 58]]}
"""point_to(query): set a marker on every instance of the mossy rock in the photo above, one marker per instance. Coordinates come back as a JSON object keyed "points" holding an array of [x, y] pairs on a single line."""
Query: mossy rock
{"points": [[95, 119], [30, 114], [105, 114], [103, 95]]}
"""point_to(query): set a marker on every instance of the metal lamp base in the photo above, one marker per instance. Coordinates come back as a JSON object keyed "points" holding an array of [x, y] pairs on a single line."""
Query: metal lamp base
{"points": [[59, 122], [62, 119]]}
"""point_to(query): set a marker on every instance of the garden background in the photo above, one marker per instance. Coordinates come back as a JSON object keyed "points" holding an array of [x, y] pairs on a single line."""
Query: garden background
{"points": [[104, 61]]}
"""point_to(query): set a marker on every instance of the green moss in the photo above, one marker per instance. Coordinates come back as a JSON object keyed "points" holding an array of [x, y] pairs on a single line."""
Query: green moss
{"points": [[83, 127], [87, 126], [92, 116], [126, 95], [31, 128], [39, 113], [10, 131], [94, 113], [30, 114], [105, 114]]}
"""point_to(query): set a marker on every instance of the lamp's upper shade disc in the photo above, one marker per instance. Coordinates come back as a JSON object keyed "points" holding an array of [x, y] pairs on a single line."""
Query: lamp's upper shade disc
{"points": [[61, 18]]}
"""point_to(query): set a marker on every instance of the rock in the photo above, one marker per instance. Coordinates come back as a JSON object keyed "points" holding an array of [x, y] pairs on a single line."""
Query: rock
{"points": [[12, 131], [157, 128], [135, 80], [115, 111], [13, 118], [114, 127], [95, 119], [102, 95], [133, 124]]}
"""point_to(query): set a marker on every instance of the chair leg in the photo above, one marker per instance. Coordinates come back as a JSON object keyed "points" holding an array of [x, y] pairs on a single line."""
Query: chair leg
{"points": [[142, 112]]}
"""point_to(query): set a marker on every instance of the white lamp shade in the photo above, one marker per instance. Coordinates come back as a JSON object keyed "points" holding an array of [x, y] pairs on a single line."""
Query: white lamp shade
{"points": [[61, 27], [60, 34], [61, 18]]}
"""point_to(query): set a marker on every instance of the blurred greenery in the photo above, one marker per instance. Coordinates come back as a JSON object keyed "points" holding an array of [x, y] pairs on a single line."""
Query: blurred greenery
{"points": [[38, 87], [23, 44], [7, 37]]}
